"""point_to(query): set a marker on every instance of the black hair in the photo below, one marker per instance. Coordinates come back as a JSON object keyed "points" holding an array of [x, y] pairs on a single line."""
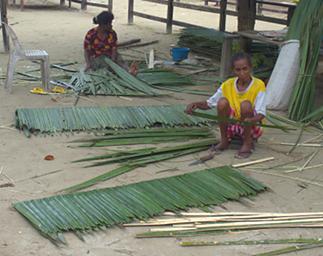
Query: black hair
{"points": [[241, 56], [103, 18]]}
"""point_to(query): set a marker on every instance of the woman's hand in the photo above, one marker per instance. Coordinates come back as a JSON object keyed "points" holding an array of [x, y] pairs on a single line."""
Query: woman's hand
{"points": [[133, 70], [196, 105], [255, 119], [190, 108]]}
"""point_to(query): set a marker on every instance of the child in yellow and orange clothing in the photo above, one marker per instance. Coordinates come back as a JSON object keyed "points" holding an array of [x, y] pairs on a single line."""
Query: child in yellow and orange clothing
{"points": [[241, 98]]}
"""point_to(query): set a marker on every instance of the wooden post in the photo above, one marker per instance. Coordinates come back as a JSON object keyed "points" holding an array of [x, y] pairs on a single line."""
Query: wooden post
{"points": [[290, 13], [223, 9], [226, 54], [130, 11], [4, 19], [84, 4], [170, 13], [246, 20], [259, 8], [62, 2], [110, 4]]}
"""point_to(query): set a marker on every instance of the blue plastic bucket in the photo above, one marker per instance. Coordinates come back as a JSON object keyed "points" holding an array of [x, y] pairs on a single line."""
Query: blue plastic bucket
{"points": [[179, 53]]}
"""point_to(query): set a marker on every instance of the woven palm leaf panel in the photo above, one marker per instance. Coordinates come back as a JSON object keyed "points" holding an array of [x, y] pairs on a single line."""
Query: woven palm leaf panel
{"points": [[107, 207], [67, 119]]}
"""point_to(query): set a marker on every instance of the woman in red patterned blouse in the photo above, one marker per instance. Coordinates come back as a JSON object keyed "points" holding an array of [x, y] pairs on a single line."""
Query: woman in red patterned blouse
{"points": [[102, 41]]}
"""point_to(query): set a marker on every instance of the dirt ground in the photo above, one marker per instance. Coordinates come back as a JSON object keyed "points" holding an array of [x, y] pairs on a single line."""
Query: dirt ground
{"points": [[60, 32]]}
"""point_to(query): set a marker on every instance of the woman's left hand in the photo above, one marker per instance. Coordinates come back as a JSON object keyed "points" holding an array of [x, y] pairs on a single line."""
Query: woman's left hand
{"points": [[133, 70]]}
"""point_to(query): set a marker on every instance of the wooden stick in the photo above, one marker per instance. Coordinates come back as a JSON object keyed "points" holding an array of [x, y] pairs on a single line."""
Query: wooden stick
{"points": [[306, 168], [191, 221], [291, 178], [314, 145], [238, 225], [129, 42], [313, 139], [194, 214], [253, 162]]}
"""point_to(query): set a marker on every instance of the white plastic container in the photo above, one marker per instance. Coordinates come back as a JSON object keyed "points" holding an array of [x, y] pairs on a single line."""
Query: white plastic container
{"points": [[283, 77]]}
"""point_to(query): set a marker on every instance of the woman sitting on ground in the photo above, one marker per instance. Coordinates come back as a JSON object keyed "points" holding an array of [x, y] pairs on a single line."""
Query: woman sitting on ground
{"points": [[241, 98], [103, 41]]}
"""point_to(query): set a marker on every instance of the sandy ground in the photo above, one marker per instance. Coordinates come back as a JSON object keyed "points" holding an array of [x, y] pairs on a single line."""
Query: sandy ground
{"points": [[60, 32]]}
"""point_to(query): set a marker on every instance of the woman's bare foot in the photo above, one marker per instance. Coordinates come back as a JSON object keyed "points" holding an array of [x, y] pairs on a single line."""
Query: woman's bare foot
{"points": [[245, 151], [218, 148]]}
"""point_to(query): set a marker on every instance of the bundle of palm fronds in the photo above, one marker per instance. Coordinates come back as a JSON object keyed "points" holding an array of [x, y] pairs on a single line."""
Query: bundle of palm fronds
{"points": [[208, 42], [163, 77], [87, 211], [53, 120], [306, 26], [112, 80], [132, 159], [146, 136]]}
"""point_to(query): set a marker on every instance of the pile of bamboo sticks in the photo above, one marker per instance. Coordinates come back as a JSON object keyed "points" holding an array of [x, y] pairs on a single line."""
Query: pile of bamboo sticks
{"points": [[184, 224]]}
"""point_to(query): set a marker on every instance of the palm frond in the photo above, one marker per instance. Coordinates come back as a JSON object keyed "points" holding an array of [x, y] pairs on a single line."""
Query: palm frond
{"points": [[131, 160], [111, 80], [149, 136], [87, 211]]}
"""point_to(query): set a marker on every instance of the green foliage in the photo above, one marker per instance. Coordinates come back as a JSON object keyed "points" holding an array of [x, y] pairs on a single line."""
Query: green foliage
{"points": [[88, 211], [306, 26]]}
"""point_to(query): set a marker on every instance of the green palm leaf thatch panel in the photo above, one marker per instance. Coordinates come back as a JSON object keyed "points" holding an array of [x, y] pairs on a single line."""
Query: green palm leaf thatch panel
{"points": [[107, 207], [52, 120], [111, 80], [306, 26]]}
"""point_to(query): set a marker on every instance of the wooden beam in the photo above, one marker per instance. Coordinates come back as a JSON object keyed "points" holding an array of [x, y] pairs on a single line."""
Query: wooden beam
{"points": [[170, 14], [4, 18], [163, 20], [223, 8], [130, 11]]}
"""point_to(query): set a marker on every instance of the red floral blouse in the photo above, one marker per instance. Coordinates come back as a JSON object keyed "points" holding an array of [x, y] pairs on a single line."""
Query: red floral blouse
{"points": [[100, 46]]}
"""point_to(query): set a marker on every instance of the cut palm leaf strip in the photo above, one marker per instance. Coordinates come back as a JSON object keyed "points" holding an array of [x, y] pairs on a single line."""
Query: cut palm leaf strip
{"points": [[108, 207], [252, 242], [235, 121], [68, 119], [132, 160]]}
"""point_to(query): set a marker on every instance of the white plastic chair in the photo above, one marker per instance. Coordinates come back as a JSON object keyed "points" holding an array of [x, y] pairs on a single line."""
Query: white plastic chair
{"points": [[17, 52]]}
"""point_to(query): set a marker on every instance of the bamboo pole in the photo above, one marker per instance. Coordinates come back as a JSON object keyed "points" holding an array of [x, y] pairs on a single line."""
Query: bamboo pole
{"points": [[190, 221], [241, 225], [253, 162]]}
